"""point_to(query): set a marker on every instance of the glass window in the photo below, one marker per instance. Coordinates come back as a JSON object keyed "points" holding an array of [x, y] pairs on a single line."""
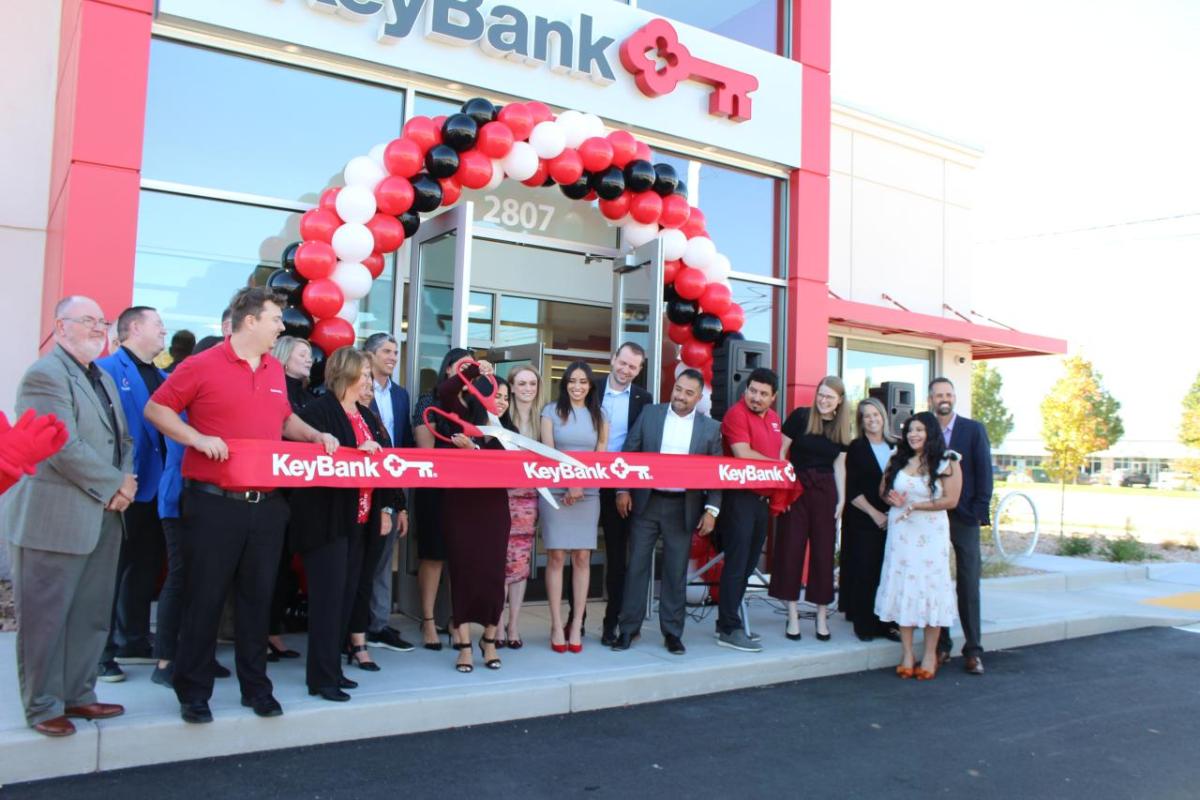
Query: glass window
{"points": [[833, 357], [235, 123], [742, 212], [870, 364], [426, 106], [755, 22], [760, 302]]}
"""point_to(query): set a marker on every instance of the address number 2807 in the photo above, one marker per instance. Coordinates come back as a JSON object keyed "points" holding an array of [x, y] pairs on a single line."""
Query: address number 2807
{"points": [[512, 213]]}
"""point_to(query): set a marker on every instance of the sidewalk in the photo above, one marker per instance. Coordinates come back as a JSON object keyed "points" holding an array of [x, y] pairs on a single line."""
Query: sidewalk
{"points": [[420, 691]]}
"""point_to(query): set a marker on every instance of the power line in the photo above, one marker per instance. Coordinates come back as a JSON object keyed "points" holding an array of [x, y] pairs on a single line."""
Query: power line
{"points": [[1109, 226]]}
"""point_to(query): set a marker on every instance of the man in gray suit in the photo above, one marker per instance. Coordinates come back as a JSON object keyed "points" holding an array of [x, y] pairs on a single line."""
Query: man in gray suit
{"points": [[64, 525], [672, 513]]}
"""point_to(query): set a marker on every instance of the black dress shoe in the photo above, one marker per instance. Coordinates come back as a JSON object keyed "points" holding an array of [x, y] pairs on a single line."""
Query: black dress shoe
{"points": [[220, 671], [197, 712], [623, 641], [333, 695], [266, 706], [609, 637], [673, 644], [346, 683]]}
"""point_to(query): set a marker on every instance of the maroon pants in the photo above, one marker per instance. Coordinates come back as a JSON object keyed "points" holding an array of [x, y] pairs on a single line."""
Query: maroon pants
{"points": [[809, 525]]}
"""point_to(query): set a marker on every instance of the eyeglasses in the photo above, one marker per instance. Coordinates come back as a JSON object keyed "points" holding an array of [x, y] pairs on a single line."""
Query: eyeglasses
{"points": [[91, 323]]}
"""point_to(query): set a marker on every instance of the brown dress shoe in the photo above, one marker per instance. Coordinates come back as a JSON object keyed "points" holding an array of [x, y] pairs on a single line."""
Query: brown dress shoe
{"points": [[95, 711], [973, 665], [58, 726]]}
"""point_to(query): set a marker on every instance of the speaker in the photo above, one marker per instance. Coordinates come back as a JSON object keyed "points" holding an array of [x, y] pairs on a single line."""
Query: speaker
{"points": [[898, 398], [732, 364]]}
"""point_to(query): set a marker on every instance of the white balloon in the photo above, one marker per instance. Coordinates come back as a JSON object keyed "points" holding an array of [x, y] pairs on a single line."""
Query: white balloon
{"points": [[674, 243], [349, 311], [548, 139], [704, 406], [521, 162], [376, 153], [497, 175], [719, 268], [636, 234], [364, 171], [574, 127], [355, 204], [699, 253], [354, 278], [353, 243], [592, 126]]}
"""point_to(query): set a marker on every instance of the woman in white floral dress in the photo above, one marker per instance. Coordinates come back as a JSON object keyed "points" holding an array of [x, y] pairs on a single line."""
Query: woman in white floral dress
{"points": [[920, 484]]}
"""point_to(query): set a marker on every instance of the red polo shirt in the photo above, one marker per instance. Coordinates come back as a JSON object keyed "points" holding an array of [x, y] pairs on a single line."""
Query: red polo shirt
{"points": [[742, 426], [224, 397]]}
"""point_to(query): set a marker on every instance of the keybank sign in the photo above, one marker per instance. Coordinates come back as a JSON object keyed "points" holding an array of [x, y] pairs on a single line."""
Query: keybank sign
{"points": [[562, 52]]}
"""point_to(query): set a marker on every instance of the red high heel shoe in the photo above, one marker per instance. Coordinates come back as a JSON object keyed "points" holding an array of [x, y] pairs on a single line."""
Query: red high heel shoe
{"points": [[558, 648], [905, 672], [575, 648]]}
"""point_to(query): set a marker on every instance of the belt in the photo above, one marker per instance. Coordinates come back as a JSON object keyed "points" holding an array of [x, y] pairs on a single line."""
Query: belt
{"points": [[664, 493], [248, 496]]}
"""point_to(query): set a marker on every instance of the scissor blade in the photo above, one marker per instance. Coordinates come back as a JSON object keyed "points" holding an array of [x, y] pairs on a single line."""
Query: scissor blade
{"points": [[543, 491]]}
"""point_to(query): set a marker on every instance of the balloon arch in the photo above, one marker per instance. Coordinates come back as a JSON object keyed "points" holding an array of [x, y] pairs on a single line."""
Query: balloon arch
{"points": [[435, 160]]}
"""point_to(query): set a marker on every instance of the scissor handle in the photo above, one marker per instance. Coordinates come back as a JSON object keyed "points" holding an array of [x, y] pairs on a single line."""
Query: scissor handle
{"points": [[467, 428], [489, 400]]}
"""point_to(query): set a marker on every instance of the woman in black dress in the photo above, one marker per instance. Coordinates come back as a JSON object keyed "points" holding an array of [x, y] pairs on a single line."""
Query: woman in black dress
{"points": [[864, 523]]}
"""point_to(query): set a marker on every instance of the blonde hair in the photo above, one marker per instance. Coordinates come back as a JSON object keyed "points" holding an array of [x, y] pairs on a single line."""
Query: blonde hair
{"points": [[529, 424], [836, 429], [285, 345], [888, 436], [343, 369]]}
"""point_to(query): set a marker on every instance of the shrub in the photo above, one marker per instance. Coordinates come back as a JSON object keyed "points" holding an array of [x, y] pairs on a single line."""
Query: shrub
{"points": [[1074, 546], [1125, 549]]}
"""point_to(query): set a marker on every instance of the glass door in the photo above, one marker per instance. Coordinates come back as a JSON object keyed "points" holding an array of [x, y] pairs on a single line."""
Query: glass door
{"points": [[637, 310]]}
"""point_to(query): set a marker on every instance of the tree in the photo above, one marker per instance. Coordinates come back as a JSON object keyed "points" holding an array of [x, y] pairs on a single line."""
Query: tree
{"points": [[987, 406], [1079, 417], [1189, 429]]}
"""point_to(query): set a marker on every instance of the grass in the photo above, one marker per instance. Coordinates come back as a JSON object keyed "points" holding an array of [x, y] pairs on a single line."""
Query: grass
{"points": [[997, 568], [1074, 545], [1171, 544], [1125, 549]]}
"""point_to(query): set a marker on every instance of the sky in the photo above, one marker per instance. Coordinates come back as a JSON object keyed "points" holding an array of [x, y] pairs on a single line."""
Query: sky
{"points": [[1086, 213]]}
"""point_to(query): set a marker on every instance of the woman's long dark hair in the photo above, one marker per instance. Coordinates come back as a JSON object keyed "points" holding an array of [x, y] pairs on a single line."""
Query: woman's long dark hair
{"points": [[506, 417], [932, 454], [454, 354], [591, 402]]}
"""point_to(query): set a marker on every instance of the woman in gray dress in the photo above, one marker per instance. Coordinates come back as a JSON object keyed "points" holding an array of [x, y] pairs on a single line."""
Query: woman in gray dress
{"points": [[574, 423]]}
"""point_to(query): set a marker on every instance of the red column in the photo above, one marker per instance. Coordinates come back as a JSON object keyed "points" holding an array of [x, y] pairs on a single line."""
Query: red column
{"points": [[808, 234], [104, 60]]}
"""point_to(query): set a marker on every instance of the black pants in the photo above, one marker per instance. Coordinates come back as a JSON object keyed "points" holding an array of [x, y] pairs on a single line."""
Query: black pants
{"points": [[227, 541], [327, 568], [967, 558], [742, 527], [170, 597], [360, 581], [138, 569], [616, 555], [286, 587]]}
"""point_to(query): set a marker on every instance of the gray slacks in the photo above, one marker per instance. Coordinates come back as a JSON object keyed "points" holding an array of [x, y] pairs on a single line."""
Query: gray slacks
{"points": [[64, 607], [380, 609], [662, 517], [965, 539]]}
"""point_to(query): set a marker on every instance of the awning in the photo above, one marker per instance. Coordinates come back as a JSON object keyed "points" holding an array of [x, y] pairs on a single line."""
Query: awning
{"points": [[986, 341]]}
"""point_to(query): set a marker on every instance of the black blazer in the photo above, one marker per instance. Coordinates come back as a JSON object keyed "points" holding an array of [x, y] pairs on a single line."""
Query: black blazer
{"points": [[639, 398], [322, 514], [969, 438], [863, 476]]}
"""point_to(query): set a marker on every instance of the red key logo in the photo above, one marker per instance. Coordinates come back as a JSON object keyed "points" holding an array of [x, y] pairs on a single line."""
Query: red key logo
{"points": [[657, 41]]}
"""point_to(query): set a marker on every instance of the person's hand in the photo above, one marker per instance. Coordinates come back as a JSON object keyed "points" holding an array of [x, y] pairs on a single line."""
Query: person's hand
{"points": [[461, 441], [906, 513], [31, 440], [573, 496], [624, 504], [370, 446], [837, 513], [213, 447], [402, 523], [707, 523], [385, 524], [329, 442], [881, 520], [124, 496], [897, 499], [486, 368]]}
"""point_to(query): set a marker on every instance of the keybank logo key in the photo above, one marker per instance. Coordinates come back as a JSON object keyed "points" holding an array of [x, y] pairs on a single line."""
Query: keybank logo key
{"points": [[502, 31]]}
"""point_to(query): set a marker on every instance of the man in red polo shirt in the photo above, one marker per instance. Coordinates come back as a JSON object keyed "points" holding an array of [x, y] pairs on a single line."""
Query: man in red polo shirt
{"points": [[231, 534], [750, 429]]}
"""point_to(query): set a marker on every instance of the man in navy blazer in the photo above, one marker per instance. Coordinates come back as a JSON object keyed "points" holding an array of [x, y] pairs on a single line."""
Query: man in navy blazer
{"points": [[142, 335], [969, 439], [392, 407]]}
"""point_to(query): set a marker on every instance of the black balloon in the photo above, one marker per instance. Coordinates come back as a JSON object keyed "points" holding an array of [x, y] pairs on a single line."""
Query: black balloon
{"points": [[288, 259], [441, 161], [681, 311], [297, 322], [459, 131], [665, 179], [639, 176], [681, 189], [410, 222], [729, 336], [609, 184], [706, 327], [549, 181], [496, 112], [316, 375], [287, 283], [670, 295], [480, 110], [579, 189], [427, 193]]}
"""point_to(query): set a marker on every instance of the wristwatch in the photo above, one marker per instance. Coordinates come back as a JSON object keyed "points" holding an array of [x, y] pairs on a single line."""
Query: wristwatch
{"points": [[716, 512], [388, 510]]}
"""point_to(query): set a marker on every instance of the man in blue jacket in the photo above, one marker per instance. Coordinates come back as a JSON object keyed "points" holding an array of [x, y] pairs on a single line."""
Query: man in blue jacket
{"points": [[142, 335], [968, 438]]}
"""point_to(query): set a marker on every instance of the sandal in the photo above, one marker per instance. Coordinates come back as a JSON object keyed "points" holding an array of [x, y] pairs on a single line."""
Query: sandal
{"points": [[515, 644], [490, 663], [463, 668], [436, 644], [352, 658]]}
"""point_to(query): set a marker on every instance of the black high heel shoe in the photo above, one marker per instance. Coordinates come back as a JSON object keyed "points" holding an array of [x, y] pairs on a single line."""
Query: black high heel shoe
{"points": [[463, 668], [824, 637], [490, 663], [274, 653], [352, 651], [346, 683], [436, 644], [795, 637]]}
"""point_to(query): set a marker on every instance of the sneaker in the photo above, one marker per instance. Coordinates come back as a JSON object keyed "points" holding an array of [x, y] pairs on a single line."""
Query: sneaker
{"points": [[752, 636], [390, 638], [139, 656], [110, 672], [164, 676], [738, 640]]}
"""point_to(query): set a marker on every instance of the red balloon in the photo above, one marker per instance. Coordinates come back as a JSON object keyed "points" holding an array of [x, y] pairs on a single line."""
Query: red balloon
{"points": [[322, 298], [646, 207], [567, 167], [679, 334], [374, 264], [318, 225], [540, 112], [474, 169], [642, 152], [696, 354], [331, 333], [451, 190], [329, 198], [695, 224], [615, 209], [716, 298], [689, 283], [388, 232], [315, 260], [675, 211], [424, 132], [518, 118], [591, 197], [707, 372], [438, 122], [394, 195], [624, 148], [538, 178], [733, 318], [597, 154], [404, 157], [495, 140], [670, 270]]}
